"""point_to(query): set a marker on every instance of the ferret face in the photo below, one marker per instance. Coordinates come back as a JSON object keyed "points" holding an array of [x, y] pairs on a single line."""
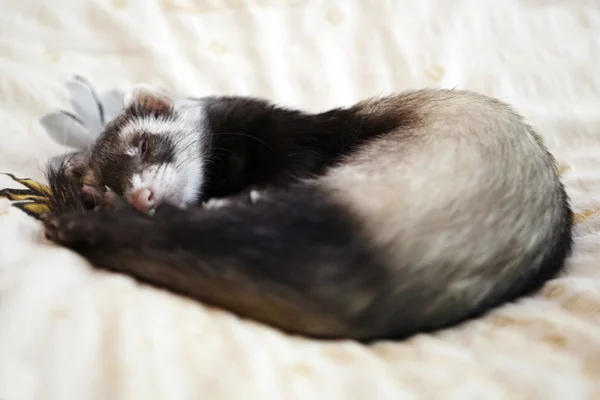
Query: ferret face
{"points": [[150, 154]]}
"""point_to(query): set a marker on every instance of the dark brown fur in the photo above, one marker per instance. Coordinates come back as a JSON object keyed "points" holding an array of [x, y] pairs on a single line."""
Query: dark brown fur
{"points": [[257, 143]]}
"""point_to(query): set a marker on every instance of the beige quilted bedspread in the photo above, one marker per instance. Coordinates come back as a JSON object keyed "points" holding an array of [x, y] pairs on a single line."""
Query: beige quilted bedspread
{"points": [[69, 332]]}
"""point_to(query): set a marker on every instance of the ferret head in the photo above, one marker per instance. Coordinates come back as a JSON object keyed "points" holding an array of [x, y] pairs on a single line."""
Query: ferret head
{"points": [[151, 153]]}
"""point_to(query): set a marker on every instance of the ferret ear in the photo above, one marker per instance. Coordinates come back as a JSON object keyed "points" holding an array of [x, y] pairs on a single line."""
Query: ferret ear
{"points": [[148, 98]]}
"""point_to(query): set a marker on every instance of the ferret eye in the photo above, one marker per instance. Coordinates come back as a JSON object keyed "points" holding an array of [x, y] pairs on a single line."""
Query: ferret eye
{"points": [[143, 146]]}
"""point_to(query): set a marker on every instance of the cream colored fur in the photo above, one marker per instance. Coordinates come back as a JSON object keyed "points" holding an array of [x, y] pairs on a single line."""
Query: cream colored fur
{"points": [[468, 184]]}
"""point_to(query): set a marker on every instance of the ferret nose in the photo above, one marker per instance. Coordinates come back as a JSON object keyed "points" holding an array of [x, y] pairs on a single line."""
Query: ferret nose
{"points": [[142, 199]]}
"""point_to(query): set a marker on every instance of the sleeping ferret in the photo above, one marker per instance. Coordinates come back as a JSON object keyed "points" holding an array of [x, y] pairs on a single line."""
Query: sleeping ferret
{"points": [[398, 215]]}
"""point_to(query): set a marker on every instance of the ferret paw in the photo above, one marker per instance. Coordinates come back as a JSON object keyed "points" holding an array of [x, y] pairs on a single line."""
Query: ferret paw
{"points": [[74, 228], [92, 198], [111, 201], [95, 200], [244, 198], [214, 204], [94, 228]]}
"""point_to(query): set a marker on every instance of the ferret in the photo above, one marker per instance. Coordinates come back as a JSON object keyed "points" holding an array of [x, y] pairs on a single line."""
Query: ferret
{"points": [[399, 215]]}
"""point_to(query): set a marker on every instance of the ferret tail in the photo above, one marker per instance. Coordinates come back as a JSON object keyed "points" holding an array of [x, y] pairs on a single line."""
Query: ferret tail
{"points": [[299, 261]]}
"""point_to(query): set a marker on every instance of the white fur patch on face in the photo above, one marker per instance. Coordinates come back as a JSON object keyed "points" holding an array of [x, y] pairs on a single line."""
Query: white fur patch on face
{"points": [[152, 126], [179, 182], [163, 181]]}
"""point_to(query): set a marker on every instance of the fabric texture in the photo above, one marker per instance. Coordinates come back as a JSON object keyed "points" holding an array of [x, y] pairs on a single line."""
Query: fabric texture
{"points": [[68, 331]]}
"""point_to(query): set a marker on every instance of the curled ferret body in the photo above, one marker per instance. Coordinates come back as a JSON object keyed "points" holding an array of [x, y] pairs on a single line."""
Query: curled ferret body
{"points": [[398, 215]]}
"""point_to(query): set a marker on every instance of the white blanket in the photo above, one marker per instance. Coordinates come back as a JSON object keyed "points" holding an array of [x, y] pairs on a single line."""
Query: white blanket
{"points": [[70, 332]]}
